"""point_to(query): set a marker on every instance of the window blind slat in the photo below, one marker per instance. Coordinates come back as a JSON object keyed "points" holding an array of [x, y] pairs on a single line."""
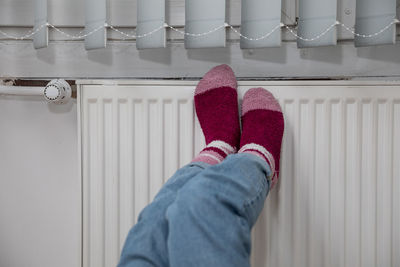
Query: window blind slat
{"points": [[203, 16], [150, 16], [315, 16], [95, 19], [260, 17], [41, 38], [371, 17]]}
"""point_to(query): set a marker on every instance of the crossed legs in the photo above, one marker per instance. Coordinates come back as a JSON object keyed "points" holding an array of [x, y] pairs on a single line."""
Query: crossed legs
{"points": [[204, 214]]}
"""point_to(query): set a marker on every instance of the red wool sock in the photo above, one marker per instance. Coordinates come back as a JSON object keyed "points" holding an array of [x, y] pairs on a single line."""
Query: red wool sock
{"points": [[262, 128], [218, 113]]}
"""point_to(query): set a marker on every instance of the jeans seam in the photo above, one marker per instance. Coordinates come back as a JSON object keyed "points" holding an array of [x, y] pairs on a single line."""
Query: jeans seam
{"points": [[247, 204], [260, 186]]}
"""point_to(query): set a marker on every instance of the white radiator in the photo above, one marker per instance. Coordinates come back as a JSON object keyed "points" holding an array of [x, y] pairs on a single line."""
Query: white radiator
{"points": [[338, 199]]}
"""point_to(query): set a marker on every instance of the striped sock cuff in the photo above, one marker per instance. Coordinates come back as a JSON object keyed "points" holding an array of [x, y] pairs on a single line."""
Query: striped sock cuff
{"points": [[261, 152], [223, 146], [209, 156], [215, 152]]}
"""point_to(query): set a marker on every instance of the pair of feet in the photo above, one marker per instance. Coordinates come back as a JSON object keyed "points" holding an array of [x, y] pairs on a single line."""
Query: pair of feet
{"points": [[216, 103]]}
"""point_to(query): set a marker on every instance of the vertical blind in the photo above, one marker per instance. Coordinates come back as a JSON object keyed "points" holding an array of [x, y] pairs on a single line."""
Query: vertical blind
{"points": [[41, 38], [201, 17], [315, 17], [150, 16], [260, 18], [371, 17], [95, 19], [206, 23]]}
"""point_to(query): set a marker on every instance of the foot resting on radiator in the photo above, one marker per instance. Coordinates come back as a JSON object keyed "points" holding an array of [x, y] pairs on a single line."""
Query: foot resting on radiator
{"points": [[262, 128], [218, 113], [203, 215]]}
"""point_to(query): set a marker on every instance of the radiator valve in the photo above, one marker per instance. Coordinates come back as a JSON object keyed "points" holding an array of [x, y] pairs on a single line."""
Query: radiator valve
{"points": [[58, 91]]}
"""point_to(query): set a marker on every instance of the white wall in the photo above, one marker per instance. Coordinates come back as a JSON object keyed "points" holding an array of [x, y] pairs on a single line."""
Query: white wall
{"points": [[40, 210]]}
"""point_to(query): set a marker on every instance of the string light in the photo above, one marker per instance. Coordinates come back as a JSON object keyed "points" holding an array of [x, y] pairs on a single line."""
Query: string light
{"points": [[26, 36], [395, 21], [75, 36], [257, 38], [197, 34], [225, 25], [135, 36], [312, 38]]}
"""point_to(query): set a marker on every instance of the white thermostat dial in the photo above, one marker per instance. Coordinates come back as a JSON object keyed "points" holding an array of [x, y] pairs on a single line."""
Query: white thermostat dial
{"points": [[58, 91]]}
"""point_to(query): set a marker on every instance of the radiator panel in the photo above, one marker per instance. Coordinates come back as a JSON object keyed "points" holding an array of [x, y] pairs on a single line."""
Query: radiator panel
{"points": [[337, 202]]}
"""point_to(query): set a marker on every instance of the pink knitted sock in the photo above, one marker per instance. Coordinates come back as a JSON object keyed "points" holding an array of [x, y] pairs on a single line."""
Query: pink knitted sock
{"points": [[218, 113], [262, 128]]}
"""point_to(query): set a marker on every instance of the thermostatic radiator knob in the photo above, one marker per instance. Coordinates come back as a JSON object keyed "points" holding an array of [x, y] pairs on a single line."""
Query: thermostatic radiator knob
{"points": [[58, 91]]}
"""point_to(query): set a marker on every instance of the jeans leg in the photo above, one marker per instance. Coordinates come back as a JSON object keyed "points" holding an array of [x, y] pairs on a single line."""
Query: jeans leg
{"points": [[211, 219], [145, 244]]}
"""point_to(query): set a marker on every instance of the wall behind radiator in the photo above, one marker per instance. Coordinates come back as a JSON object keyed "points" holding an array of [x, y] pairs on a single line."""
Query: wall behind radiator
{"points": [[40, 211]]}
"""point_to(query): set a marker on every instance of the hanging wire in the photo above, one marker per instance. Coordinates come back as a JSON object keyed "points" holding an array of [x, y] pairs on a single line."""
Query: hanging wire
{"points": [[30, 33]]}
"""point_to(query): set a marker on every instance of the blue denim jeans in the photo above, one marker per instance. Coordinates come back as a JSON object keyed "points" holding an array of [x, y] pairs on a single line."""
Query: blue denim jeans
{"points": [[202, 216]]}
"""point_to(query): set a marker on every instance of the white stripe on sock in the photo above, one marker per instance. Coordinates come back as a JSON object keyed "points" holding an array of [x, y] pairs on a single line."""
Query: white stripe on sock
{"points": [[263, 151], [227, 148], [204, 153]]}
